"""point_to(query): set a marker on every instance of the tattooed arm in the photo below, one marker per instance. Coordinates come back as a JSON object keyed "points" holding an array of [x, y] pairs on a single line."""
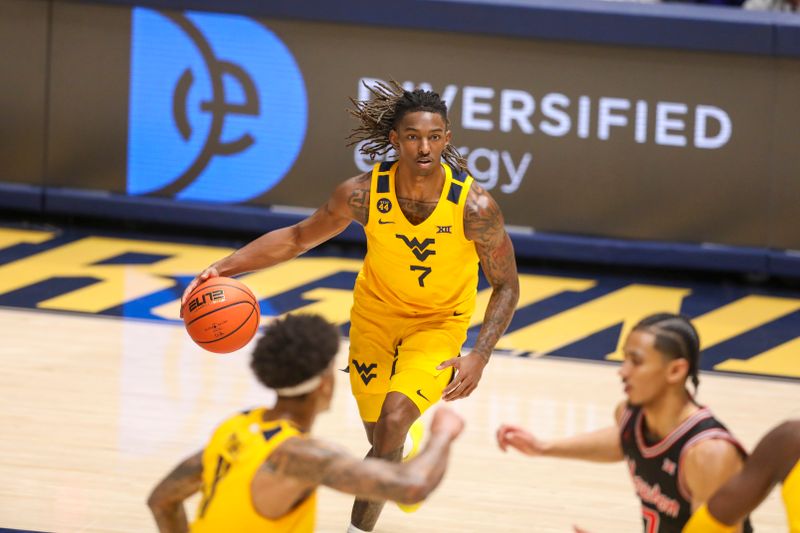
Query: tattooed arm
{"points": [[350, 201], [483, 224], [166, 500], [320, 463]]}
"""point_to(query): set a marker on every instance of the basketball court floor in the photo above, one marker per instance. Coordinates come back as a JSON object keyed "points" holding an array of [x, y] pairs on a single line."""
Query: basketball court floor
{"points": [[103, 391]]}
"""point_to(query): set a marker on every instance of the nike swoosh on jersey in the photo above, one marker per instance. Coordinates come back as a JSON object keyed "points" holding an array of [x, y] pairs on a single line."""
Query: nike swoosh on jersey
{"points": [[385, 221], [419, 391]]}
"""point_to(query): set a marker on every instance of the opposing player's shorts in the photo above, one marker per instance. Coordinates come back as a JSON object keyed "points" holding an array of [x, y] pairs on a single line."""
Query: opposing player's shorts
{"points": [[393, 354]]}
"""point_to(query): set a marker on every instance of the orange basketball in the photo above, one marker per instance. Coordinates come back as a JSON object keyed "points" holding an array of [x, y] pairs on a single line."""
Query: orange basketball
{"points": [[221, 315]]}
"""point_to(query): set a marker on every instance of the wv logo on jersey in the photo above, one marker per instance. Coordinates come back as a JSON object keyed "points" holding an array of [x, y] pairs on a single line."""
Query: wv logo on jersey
{"points": [[420, 249], [365, 371], [217, 108]]}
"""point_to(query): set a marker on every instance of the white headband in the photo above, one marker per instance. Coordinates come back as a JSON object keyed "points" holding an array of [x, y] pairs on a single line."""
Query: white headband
{"points": [[301, 388]]}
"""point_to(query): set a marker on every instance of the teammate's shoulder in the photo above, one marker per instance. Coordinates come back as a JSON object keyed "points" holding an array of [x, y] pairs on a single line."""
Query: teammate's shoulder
{"points": [[357, 181], [710, 450], [233, 421], [480, 208]]}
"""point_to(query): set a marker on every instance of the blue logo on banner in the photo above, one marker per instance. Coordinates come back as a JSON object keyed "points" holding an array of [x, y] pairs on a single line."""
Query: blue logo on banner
{"points": [[217, 110]]}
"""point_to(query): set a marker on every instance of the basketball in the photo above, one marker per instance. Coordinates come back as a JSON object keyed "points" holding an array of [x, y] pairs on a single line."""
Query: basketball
{"points": [[221, 315]]}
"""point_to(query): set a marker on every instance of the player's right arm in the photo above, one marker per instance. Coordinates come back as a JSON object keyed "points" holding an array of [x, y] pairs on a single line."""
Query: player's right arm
{"points": [[166, 499], [320, 463], [350, 201], [602, 446]]}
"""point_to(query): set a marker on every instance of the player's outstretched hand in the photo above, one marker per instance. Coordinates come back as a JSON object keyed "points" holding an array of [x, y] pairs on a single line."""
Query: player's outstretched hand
{"points": [[447, 422], [518, 438], [210, 272], [469, 370]]}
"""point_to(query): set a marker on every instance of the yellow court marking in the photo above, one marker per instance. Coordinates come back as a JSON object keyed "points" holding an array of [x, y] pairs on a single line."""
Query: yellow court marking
{"points": [[116, 284], [783, 360], [12, 237], [277, 279], [740, 316], [532, 289], [333, 304], [627, 305]]}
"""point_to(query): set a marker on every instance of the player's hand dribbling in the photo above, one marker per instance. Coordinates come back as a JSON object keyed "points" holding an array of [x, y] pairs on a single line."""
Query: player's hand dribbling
{"points": [[210, 272], [448, 422], [519, 439], [469, 370]]}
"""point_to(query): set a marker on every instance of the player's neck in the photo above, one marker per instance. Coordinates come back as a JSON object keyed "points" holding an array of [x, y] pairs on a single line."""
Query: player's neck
{"points": [[668, 411], [300, 412], [420, 188]]}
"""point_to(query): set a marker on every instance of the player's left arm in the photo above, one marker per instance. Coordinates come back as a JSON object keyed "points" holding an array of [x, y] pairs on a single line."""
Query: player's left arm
{"points": [[484, 225], [166, 500], [708, 466]]}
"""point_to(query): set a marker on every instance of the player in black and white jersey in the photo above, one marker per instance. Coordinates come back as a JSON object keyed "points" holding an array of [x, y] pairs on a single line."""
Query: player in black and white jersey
{"points": [[677, 453]]}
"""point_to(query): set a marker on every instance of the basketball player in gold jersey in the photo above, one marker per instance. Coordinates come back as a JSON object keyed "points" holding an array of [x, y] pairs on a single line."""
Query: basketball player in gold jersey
{"points": [[428, 225], [776, 459], [260, 470]]}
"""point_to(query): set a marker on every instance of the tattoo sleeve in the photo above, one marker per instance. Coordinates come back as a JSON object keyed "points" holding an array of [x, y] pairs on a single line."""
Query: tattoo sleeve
{"points": [[320, 463], [358, 201], [166, 500], [483, 224]]}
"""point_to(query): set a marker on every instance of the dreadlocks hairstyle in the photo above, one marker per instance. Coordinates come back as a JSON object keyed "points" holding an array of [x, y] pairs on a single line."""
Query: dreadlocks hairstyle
{"points": [[294, 349], [381, 113], [676, 338]]}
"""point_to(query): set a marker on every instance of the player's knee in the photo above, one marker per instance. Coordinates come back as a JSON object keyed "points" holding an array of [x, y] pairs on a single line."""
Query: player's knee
{"points": [[389, 435]]}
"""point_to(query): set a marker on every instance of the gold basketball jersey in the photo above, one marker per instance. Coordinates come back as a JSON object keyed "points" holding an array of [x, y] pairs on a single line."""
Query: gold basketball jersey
{"points": [[415, 270], [237, 449], [791, 498]]}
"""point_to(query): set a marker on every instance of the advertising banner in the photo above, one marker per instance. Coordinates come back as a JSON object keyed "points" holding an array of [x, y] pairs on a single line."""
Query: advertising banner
{"points": [[570, 138], [23, 67]]}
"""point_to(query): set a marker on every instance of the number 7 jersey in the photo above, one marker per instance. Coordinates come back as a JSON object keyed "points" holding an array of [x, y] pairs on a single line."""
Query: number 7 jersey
{"points": [[415, 270]]}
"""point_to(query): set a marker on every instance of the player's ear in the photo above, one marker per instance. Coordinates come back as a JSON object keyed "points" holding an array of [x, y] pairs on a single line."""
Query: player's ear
{"points": [[326, 387], [394, 138], [448, 135], [677, 371]]}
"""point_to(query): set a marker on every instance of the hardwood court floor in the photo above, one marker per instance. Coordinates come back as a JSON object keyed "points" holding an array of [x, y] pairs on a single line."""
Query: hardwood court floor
{"points": [[95, 410]]}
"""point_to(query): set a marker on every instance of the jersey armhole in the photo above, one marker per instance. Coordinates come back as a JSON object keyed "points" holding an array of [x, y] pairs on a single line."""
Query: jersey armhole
{"points": [[713, 433]]}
